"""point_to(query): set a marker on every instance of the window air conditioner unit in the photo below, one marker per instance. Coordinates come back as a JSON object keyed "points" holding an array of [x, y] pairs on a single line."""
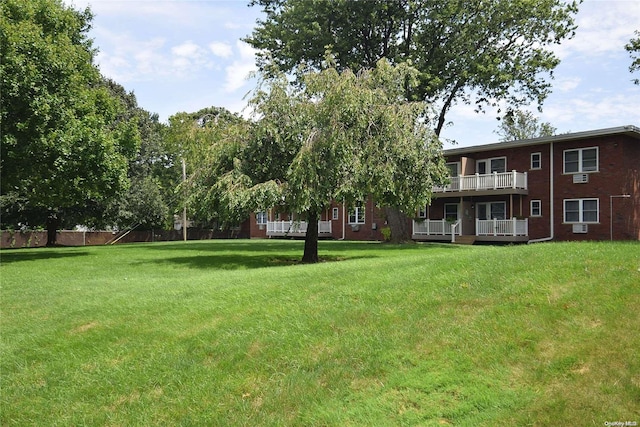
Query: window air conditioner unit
{"points": [[580, 178], [580, 228]]}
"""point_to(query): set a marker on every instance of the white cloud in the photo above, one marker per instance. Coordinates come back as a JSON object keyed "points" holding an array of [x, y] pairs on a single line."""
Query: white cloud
{"points": [[238, 72], [221, 49], [187, 49], [595, 109], [566, 84], [604, 27]]}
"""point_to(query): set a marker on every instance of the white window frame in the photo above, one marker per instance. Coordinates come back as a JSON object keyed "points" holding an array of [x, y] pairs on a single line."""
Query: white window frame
{"points": [[357, 215], [422, 212], [335, 214], [489, 166], [261, 218], [447, 217], [488, 209], [581, 211], [536, 158], [535, 205], [457, 165], [581, 168]]}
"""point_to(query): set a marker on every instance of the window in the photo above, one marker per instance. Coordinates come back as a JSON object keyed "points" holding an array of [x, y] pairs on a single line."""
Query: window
{"points": [[493, 210], [581, 160], [486, 166], [451, 212], [422, 212], [581, 210], [536, 161], [335, 214], [536, 208], [454, 168], [261, 217], [356, 215]]}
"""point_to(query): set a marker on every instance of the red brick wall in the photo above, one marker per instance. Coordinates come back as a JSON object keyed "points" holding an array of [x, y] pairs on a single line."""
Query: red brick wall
{"points": [[617, 160], [619, 173]]}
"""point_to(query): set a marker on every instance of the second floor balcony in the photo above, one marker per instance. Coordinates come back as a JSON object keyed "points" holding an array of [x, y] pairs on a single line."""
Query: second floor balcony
{"points": [[492, 183]]}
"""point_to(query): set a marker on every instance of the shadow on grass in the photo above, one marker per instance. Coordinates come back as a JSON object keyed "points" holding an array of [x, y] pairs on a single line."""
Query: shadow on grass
{"points": [[250, 254], [19, 255], [231, 245], [243, 262], [289, 245]]}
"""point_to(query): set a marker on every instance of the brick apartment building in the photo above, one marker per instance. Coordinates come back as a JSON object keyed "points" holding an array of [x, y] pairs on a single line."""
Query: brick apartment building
{"points": [[577, 186]]}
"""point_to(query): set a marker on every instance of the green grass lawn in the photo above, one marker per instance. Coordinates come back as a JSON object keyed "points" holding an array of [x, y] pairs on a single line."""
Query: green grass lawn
{"points": [[234, 333]]}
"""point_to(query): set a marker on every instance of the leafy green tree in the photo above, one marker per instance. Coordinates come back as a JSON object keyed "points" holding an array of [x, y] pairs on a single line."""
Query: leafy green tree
{"points": [[337, 136], [517, 125], [205, 141], [66, 139], [633, 47], [154, 172], [472, 51]]}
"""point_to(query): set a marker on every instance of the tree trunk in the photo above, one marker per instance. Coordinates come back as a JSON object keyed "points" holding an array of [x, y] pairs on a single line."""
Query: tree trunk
{"points": [[311, 239], [52, 229], [399, 224]]}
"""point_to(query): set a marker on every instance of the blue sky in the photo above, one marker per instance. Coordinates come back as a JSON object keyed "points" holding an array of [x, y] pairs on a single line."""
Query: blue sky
{"points": [[184, 55]]}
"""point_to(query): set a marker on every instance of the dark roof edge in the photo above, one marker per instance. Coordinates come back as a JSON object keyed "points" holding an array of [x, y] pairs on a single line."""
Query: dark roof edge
{"points": [[629, 130]]}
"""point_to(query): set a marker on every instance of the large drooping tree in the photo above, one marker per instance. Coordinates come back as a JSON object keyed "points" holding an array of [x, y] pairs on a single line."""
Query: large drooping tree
{"points": [[471, 51], [480, 52], [66, 139], [336, 135]]}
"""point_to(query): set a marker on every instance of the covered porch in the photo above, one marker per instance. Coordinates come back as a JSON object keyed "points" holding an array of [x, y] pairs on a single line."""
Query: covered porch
{"points": [[296, 228], [491, 230]]}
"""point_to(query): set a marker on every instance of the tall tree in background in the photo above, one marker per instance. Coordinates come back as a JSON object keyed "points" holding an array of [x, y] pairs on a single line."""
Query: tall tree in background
{"points": [[471, 51], [633, 47], [154, 172], [336, 136], [466, 51], [66, 139], [206, 141], [517, 125]]}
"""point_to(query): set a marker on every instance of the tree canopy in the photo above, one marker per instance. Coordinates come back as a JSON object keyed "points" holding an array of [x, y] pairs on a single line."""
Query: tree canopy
{"points": [[517, 125], [477, 51], [339, 135], [154, 173], [66, 139], [633, 47]]}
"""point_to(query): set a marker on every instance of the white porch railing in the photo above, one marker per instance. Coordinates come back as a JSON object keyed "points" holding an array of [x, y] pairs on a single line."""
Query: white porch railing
{"points": [[502, 227], [492, 181], [295, 227], [439, 227]]}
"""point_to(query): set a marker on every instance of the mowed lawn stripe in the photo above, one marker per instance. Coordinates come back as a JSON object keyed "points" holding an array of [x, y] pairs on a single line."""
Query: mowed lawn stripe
{"points": [[240, 333]]}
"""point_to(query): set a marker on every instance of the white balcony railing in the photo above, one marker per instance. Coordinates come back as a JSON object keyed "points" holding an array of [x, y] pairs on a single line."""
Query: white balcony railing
{"points": [[492, 181], [502, 227], [439, 227], [283, 228]]}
